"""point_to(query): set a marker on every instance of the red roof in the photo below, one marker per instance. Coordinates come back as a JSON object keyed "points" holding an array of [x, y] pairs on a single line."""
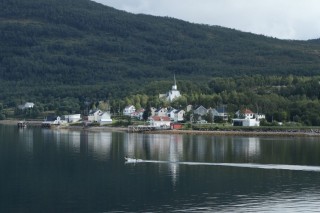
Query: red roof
{"points": [[247, 111]]}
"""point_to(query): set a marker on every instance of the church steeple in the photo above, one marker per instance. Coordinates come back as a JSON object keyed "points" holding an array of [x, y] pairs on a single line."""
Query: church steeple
{"points": [[174, 87]]}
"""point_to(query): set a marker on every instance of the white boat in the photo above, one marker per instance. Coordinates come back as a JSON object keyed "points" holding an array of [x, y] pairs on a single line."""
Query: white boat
{"points": [[132, 160]]}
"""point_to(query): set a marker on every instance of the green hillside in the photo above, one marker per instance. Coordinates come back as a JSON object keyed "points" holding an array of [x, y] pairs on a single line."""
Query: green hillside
{"points": [[79, 48]]}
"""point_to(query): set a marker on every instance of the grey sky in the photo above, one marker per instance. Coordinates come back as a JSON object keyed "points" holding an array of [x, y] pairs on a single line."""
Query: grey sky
{"points": [[284, 19]]}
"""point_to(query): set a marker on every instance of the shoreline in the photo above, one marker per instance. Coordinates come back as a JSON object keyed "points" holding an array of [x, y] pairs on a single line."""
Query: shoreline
{"points": [[37, 123], [280, 133], [238, 133]]}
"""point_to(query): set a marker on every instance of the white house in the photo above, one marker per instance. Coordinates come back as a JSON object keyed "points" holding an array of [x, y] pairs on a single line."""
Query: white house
{"points": [[171, 113], [189, 108], [219, 112], [172, 94], [179, 115], [159, 121], [246, 113], [247, 118], [100, 117], [129, 110], [138, 114], [94, 115], [72, 118], [27, 105], [245, 122], [161, 112], [153, 111], [200, 110], [52, 120], [105, 118]]}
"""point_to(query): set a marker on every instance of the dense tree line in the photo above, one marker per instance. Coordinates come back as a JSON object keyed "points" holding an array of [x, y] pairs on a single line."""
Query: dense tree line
{"points": [[62, 54], [282, 99], [81, 42]]}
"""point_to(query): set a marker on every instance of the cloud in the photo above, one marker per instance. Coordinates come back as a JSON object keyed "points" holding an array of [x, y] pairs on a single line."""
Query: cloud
{"points": [[285, 19]]}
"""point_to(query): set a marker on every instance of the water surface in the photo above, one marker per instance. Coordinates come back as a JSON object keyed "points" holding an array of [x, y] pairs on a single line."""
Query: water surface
{"points": [[43, 170]]}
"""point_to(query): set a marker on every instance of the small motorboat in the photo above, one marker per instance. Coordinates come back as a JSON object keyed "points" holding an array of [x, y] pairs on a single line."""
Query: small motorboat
{"points": [[132, 160]]}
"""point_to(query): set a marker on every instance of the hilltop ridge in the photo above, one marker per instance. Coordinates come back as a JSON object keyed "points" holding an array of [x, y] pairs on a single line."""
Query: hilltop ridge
{"points": [[80, 47]]}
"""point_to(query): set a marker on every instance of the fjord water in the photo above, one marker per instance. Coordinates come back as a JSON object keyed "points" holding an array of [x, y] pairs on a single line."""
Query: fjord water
{"points": [[43, 170]]}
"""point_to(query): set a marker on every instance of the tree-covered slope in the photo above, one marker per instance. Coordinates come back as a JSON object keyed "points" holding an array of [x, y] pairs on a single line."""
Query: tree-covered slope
{"points": [[79, 47]]}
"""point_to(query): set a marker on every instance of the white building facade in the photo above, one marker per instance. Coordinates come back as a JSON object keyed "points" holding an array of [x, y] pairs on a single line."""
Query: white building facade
{"points": [[247, 118], [129, 110]]}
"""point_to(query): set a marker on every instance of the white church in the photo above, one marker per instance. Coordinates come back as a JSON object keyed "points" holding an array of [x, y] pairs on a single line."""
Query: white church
{"points": [[173, 93]]}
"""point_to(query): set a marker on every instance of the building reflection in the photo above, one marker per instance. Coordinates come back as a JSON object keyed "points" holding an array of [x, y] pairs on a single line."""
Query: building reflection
{"points": [[198, 148], [158, 148], [73, 138], [26, 139], [100, 144], [95, 144], [247, 147], [175, 154]]}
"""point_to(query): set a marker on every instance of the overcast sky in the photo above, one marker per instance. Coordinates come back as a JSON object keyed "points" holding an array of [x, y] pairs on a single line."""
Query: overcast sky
{"points": [[284, 19]]}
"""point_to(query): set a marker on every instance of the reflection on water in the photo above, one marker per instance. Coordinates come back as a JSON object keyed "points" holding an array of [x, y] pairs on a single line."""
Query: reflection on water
{"points": [[26, 139], [100, 144], [167, 147], [203, 148], [44, 170], [248, 147], [175, 148], [149, 146], [96, 144]]}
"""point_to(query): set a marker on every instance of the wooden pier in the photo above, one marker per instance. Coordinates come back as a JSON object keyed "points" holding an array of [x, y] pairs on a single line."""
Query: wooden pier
{"points": [[22, 124], [140, 128]]}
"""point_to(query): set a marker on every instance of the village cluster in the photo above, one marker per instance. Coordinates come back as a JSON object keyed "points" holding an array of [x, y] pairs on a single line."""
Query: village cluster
{"points": [[169, 116], [160, 117]]}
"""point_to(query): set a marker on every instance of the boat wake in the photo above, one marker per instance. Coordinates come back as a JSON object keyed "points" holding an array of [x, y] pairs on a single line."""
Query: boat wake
{"points": [[240, 165]]}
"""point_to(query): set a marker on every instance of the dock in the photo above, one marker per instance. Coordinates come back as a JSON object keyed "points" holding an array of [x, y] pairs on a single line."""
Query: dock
{"points": [[146, 128], [141, 128], [22, 124]]}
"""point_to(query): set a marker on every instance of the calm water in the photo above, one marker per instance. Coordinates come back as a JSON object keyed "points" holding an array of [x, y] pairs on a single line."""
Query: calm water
{"points": [[45, 170]]}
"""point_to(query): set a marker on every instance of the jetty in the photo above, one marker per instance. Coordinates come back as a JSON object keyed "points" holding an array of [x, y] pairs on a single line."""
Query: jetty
{"points": [[22, 124], [141, 128]]}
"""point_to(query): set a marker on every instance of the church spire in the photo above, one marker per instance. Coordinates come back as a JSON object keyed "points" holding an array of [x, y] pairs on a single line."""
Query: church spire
{"points": [[174, 87]]}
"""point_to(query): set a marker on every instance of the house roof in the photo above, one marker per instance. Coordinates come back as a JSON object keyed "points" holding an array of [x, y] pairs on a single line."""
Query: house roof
{"points": [[180, 110], [172, 110], [51, 118], [93, 111], [130, 106], [200, 107], [221, 110], [161, 109], [246, 111]]}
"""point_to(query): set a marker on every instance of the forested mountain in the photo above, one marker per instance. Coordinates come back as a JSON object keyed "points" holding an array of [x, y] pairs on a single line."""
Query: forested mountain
{"points": [[79, 48]]}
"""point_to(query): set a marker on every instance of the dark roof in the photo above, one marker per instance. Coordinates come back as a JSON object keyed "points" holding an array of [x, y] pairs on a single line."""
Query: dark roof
{"points": [[51, 118]]}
